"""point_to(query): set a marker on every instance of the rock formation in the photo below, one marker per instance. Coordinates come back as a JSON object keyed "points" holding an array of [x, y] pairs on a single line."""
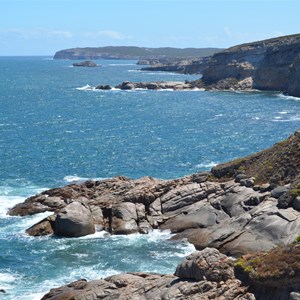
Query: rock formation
{"points": [[185, 66], [205, 274], [231, 208], [242, 208], [87, 63], [162, 85], [270, 64]]}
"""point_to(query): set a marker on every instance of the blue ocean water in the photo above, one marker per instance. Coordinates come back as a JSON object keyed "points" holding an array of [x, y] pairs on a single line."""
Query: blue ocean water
{"points": [[51, 134]]}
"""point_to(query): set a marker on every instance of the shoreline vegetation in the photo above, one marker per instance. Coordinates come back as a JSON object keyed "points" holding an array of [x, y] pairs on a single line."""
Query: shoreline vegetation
{"points": [[243, 217]]}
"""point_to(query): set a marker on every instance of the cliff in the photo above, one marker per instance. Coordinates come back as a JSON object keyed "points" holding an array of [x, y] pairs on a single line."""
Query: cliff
{"points": [[136, 53], [271, 64], [185, 66]]}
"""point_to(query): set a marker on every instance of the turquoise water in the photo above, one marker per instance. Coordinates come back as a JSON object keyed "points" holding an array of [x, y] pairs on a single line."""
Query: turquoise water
{"points": [[51, 134]]}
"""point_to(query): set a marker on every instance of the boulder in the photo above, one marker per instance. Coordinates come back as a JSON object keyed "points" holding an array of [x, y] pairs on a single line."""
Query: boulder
{"points": [[208, 264], [74, 220], [44, 227], [124, 219], [278, 191]]}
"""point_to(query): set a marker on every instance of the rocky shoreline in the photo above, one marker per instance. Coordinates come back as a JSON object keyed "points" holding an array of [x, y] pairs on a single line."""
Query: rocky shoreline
{"points": [[268, 65], [239, 208]]}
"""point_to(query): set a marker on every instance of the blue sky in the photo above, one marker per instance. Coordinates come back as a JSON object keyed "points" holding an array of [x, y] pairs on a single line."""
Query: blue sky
{"points": [[42, 27]]}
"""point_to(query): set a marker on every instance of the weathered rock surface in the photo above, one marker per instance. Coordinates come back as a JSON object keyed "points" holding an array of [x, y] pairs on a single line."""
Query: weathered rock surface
{"points": [[86, 63], [74, 220], [203, 275], [267, 65], [174, 85], [185, 66]]}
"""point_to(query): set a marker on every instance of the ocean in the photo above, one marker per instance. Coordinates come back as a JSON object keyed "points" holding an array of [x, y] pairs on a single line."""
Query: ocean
{"points": [[54, 132]]}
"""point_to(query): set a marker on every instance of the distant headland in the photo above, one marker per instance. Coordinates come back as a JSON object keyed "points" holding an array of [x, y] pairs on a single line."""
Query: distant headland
{"points": [[133, 52]]}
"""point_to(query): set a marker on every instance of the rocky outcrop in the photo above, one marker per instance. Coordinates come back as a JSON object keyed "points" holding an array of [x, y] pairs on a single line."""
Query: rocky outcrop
{"points": [[271, 64], [203, 275], [87, 63], [231, 208], [162, 85]]}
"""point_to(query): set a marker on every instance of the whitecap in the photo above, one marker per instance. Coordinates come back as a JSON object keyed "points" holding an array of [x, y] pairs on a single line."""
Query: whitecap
{"points": [[206, 165], [287, 97], [7, 277], [75, 178], [85, 88], [7, 202], [157, 235], [96, 235], [283, 112], [117, 65]]}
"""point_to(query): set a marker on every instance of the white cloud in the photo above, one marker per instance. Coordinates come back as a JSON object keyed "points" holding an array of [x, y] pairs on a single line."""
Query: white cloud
{"points": [[227, 31], [36, 33], [111, 34]]}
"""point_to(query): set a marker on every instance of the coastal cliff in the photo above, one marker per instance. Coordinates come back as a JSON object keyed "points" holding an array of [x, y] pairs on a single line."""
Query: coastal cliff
{"points": [[267, 65]]}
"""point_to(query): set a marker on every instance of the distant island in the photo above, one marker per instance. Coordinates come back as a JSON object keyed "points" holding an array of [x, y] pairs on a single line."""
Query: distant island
{"points": [[132, 52]]}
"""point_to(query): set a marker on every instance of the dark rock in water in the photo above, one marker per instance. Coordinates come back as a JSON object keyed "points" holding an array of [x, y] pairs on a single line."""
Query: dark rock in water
{"points": [[103, 87], [74, 220], [2, 291], [162, 85], [86, 63], [44, 227]]}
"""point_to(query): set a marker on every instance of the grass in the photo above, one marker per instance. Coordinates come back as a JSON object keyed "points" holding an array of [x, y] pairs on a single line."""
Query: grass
{"points": [[281, 262]]}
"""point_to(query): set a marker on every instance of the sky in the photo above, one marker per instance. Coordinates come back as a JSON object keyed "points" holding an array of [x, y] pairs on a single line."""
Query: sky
{"points": [[42, 27]]}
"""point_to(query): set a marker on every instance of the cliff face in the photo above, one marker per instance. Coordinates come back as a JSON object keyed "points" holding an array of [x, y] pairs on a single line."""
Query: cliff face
{"points": [[272, 64]]}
